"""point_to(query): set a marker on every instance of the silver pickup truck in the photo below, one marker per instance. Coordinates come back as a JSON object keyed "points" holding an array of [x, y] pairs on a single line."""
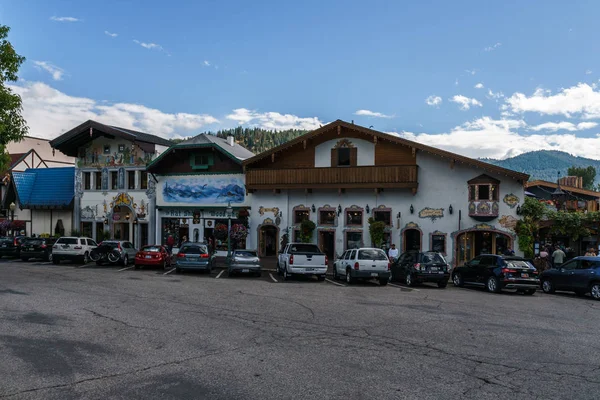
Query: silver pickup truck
{"points": [[302, 259]]}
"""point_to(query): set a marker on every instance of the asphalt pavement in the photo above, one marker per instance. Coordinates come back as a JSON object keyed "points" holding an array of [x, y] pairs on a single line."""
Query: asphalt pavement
{"points": [[89, 332]]}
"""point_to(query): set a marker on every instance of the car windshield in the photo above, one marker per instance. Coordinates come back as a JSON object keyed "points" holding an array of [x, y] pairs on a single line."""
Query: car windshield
{"points": [[519, 264], [32, 242], [304, 248], [152, 249], [433, 258], [67, 241], [193, 250], [245, 253], [372, 254]]}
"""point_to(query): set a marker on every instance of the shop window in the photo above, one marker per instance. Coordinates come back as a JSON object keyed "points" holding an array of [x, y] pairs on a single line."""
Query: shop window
{"points": [[131, 180], [438, 243], [300, 215], [87, 229], [87, 180], [353, 240], [144, 180], [201, 161], [98, 179], [327, 217], [354, 217], [114, 180], [383, 216], [121, 148]]}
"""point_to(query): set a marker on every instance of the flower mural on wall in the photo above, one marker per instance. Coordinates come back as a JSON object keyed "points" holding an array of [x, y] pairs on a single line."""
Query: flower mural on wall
{"points": [[511, 200]]}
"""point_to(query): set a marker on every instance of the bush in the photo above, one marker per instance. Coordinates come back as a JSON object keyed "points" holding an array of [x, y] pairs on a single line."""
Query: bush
{"points": [[307, 227], [377, 232]]}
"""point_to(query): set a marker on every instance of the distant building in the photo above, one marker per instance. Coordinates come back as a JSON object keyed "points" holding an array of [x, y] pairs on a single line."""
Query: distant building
{"points": [[43, 149]]}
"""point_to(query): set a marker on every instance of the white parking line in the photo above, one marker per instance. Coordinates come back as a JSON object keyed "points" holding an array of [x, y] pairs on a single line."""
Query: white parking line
{"points": [[169, 271], [334, 282], [220, 273], [126, 268], [83, 266], [403, 287], [272, 277]]}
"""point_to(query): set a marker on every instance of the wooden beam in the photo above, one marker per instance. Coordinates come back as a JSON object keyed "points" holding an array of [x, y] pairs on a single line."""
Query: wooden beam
{"points": [[375, 140], [414, 191], [304, 143], [339, 130], [273, 157], [452, 164], [414, 151]]}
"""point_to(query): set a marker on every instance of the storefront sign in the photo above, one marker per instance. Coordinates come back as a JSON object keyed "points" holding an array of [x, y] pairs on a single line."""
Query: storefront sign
{"points": [[179, 213], [432, 213]]}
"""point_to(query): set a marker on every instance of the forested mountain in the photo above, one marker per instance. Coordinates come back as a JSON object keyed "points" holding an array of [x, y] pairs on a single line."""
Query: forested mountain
{"points": [[258, 140], [545, 164]]}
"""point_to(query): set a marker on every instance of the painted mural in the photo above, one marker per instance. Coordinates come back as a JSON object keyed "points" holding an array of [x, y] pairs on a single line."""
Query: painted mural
{"points": [[204, 190]]}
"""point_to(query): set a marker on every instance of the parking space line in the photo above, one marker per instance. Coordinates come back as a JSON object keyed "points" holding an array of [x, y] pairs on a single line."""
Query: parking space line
{"points": [[272, 277], [334, 282], [403, 287], [83, 266], [126, 268], [169, 271], [220, 273]]}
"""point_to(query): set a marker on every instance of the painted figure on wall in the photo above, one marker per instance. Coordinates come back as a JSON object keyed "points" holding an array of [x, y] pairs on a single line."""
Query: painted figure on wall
{"points": [[104, 179], [121, 178], [204, 190]]}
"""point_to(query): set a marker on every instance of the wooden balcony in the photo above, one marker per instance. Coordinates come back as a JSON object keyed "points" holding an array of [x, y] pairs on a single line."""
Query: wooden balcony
{"points": [[365, 177], [484, 210]]}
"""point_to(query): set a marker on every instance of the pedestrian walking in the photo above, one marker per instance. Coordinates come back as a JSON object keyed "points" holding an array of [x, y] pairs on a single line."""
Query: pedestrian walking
{"points": [[558, 257]]}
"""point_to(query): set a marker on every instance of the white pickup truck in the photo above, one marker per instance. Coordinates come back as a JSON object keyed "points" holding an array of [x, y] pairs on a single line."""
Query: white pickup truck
{"points": [[302, 259]]}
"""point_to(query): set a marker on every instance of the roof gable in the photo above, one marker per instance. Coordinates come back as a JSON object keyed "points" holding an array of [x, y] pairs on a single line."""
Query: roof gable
{"points": [[394, 139]]}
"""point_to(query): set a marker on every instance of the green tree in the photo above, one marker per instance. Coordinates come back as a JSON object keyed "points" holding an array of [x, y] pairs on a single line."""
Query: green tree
{"points": [[377, 232], [532, 212], [12, 125], [307, 228], [588, 174]]}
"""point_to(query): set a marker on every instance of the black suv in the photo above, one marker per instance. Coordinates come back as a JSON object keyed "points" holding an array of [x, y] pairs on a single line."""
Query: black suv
{"points": [[11, 246], [37, 248], [414, 268], [580, 275], [495, 273]]}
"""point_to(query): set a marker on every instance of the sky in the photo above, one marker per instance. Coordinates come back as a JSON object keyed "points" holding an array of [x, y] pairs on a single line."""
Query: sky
{"points": [[476, 78]]}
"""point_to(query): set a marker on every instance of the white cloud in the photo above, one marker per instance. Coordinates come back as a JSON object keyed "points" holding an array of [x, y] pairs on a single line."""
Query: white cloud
{"points": [[111, 34], [486, 137], [273, 120], [56, 72], [64, 19], [465, 102], [433, 100], [588, 71], [563, 126], [50, 112], [493, 47], [206, 63], [479, 86], [470, 71], [149, 46], [494, 96], [369, 113], [581, 99]]}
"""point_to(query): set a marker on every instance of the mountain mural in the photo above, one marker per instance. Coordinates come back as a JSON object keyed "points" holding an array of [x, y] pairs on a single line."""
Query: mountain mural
{"points": [[545, 164]]}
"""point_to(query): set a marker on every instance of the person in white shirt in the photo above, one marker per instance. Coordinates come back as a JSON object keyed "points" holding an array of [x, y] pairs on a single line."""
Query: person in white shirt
{"points": [[393, 253]]}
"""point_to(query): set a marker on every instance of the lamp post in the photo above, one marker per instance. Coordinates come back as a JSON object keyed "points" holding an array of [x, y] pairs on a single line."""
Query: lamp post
{"points": [[558, 195], [229, 215], [12, 208]]}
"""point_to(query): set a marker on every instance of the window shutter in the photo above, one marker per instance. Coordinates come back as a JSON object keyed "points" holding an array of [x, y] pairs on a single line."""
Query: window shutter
{"points": [[334, 158], [353, 156]]}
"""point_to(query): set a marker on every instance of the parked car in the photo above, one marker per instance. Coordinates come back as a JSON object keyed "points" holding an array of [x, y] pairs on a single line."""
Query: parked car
{"points": [[11, 246], [194, 256], [37, 248], [126, 252], [418, 267], [244, 262], [302, 259], [580, 275], [73, 248], [153, 256], [495, 273], [363, 263]]}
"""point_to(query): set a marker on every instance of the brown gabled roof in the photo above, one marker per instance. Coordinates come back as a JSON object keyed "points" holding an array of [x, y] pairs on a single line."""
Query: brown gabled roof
{"points": [[394, 139], [554, 185]]}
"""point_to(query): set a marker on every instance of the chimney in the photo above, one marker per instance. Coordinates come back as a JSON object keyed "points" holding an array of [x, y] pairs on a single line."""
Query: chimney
{"points": [[230, 140], [573, 181]]}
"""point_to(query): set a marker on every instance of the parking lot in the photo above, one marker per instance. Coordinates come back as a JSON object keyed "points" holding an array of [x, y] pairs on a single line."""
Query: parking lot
{"points": [[97, 332]]}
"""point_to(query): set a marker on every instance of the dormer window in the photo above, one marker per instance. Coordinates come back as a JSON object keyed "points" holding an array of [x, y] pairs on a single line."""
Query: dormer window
{"points": [[484, 188], [343, 157], [344, 154]]}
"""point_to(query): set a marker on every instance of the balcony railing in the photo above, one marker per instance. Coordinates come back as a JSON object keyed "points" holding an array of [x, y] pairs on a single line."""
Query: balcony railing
{"points": [[484, 210], [395, 176]]}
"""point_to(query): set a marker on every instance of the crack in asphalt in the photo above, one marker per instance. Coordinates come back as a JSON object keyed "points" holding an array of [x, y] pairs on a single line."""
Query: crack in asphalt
{"points": [[97, 314]]}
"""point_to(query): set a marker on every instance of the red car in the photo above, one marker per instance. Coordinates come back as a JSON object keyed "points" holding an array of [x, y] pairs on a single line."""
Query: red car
{"points": [[153, 256]]}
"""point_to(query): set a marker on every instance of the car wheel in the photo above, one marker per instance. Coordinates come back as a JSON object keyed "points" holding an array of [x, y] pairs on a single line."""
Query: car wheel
{"points": [[349, 279], [409, 280], [529, 292], [442, 284], [595, 290], [164, 266], [86, 258], [49, 257], [383, 282], [548, 286], [125, 261], [492, 285], [457, 280]]}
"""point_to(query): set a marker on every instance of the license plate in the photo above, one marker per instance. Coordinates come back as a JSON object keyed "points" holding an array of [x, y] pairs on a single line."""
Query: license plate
{"points": [[434, 269], [4, 245], [440, 272], [374, 274], [148, 256], [310, 269], [245, 270], [524, 275], [30, 249]]}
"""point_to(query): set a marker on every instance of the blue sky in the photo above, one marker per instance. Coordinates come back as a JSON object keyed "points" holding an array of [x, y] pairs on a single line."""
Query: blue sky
{"points": [[182, 67]]}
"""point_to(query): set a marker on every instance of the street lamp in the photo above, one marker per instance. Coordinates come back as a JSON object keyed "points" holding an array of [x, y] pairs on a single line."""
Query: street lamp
{"points": [[229, 215], [558, 195], [12, 208]]}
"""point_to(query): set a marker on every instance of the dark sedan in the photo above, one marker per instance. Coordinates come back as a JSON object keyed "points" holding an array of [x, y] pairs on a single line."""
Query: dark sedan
{"points": [[580, 275], [495, 273], [37, 248], [414, 268], [11, 246]]}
